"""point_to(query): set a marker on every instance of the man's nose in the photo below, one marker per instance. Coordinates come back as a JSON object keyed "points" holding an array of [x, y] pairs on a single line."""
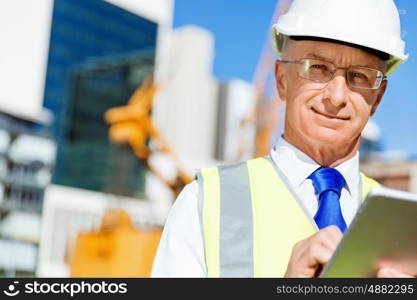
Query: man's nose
{"points": [[337, 89]]}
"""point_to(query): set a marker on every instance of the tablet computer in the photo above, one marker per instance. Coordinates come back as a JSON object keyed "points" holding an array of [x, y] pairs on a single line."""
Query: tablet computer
{"points": [[383, 233]]}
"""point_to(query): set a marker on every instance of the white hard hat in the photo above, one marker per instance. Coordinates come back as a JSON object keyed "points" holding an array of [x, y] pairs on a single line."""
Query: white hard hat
{"points": [[373, 24]]}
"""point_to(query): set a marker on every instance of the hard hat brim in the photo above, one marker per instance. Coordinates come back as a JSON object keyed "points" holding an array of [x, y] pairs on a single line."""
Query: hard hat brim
{"points": [[279, 37]]}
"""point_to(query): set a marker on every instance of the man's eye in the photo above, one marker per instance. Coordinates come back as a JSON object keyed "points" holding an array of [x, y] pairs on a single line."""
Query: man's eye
{"points": [[359, 75], [319, 67]]}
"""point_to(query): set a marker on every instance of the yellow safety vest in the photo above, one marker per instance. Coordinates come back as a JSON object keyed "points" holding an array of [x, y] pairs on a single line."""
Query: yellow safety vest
{"points": [[251, 220]]}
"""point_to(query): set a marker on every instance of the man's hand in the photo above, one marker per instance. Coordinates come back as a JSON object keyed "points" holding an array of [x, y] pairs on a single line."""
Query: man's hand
{"points": [[389, 272], [309, 255]]}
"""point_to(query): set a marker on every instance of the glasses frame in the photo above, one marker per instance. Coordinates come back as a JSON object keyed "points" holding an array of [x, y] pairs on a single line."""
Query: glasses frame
{"points": [[333, 73]]}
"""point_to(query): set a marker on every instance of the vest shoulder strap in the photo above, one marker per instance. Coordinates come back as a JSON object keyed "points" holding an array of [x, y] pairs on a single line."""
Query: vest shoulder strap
{"points": [[227, 220]]}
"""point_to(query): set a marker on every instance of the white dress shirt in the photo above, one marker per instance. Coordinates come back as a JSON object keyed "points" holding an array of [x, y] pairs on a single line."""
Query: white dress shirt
{"points": [[181, 249]]}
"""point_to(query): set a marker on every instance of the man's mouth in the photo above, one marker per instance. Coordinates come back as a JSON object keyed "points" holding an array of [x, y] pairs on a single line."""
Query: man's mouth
{"points": [[329, 116]]}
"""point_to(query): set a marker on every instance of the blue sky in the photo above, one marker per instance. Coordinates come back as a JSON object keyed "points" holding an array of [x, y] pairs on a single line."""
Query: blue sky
{"points": [[241, 27]]}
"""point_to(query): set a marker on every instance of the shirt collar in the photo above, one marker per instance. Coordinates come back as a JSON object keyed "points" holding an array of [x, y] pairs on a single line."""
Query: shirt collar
{"points": [[297, 165]]}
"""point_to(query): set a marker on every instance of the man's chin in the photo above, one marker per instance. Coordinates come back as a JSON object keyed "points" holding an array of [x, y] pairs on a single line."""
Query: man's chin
{"points": [[327, 136]]}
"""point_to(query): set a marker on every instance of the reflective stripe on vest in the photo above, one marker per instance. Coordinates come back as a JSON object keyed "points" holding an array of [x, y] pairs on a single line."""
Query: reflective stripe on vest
{"points": [[241, 215]]}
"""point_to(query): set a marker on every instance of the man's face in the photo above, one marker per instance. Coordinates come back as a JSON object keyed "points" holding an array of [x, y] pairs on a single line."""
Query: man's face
{"points": [[332, 114]]}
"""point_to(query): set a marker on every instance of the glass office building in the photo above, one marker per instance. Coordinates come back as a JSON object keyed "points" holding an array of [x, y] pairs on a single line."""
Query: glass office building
{"points": [[98, 55]]}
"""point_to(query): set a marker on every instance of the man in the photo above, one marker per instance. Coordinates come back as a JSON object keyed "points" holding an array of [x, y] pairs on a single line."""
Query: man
{"points": [[284, 215]]}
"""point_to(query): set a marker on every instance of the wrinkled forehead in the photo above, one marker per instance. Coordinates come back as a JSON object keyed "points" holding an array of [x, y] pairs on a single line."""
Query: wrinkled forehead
{"points": [[339, 54]]}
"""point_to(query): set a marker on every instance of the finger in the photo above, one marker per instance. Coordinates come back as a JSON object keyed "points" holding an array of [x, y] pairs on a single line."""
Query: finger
{"points": [[391, 273], [329, 238], [333, 232], [319, 247], [318, 255]]}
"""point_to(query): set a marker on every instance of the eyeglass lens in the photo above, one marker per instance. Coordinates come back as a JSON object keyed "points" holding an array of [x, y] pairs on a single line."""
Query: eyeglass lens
{"points": [[322, 71]]}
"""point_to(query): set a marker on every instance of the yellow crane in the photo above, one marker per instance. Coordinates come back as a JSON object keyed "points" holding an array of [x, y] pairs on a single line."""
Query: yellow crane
{"points": [[117, 248], [133, 124]]}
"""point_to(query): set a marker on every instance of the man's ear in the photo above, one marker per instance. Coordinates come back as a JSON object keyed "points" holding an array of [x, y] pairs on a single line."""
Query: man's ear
{"points": [[380, 93], [280, 80]]}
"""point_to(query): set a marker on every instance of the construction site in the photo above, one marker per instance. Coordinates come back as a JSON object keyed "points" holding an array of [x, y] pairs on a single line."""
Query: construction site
{"points": [[118, 112]]}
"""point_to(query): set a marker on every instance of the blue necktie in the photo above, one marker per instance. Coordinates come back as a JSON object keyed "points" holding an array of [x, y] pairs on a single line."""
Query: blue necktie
{"points": [[328, 183]]}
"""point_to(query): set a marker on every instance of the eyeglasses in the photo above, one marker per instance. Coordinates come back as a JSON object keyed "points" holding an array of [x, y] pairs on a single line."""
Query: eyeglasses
{"points": [[323, 71]]}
